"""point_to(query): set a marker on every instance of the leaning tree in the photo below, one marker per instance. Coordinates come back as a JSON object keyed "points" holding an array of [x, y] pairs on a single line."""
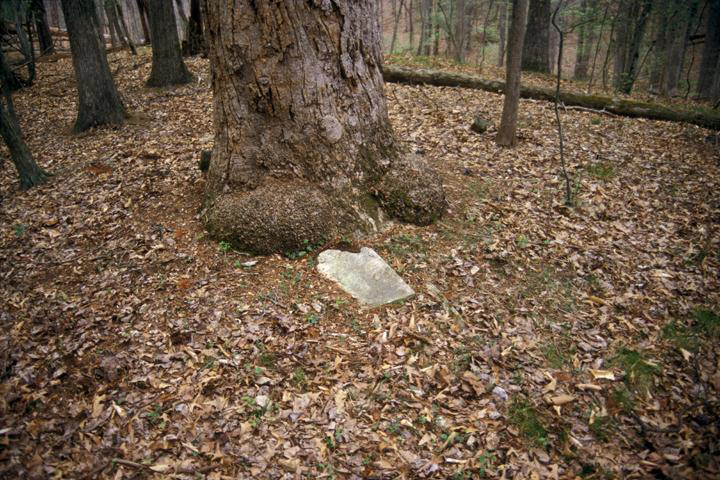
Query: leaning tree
{"points": [[99, 102], [304, 150], [29, 172]]}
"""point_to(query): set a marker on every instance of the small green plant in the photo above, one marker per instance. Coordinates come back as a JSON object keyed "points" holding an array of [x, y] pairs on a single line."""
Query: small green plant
{"points": [[19, 229], [522, 241], [707, 323], [639, 371], [155, 416], [526, 419], [554, 356], [595, 121], [298, 377], [602, 427], [224, 246], [601, 171], [401, 245], [312, 318], [624, 399], [306, 248]]}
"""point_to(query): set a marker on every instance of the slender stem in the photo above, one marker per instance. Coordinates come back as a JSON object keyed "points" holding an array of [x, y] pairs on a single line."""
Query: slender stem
{"points": [[568, 189]]}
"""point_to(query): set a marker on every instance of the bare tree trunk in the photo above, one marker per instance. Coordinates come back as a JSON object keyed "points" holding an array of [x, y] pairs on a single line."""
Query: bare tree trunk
{"points": [[196, 37], [410, 24], [502, 28], [99, 102], [304, 150], [508, 125], [125, 31], [710, 53], [41, 25], [183, 19], [142, 9], [168, 67], [536, 51], [631, 29], [676, 53], [460, 31], [29, 172], [116, 32], [397, 13], [583, 39], [597, 45]]}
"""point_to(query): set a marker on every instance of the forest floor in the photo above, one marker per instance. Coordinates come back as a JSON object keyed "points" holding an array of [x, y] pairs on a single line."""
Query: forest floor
{"points": [[544, 341]]}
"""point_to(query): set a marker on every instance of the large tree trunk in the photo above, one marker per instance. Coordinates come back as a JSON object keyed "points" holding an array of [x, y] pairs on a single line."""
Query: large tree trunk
{"points": [[632, 23], [711, 50], [99, 102], [508, 124], [303, 148], [168, 67], [41, 25], [29, 172], [702, 118], [536, 51], [502, 27]]}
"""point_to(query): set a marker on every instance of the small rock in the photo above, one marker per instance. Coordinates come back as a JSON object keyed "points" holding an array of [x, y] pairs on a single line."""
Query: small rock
{"points": [[494, 415], [480, 125], [365, 276], [262, 400], [500, 393]]}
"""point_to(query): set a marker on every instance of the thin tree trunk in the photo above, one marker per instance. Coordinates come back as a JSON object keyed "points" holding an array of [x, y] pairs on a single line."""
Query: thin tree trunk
{"points": [[304, 150], [142, 9], [98, 99], [508, 124], [436, 29], [711, 50], [26, 47], [196, 37], [581, 53], [597, 45], [116, 32], [168, 67], [29, 172], [183, 19], [460, 31], [631, 30], [502, 28], [396, 22], [410, 24], [41, 25], [125, 31], [536, 51]]}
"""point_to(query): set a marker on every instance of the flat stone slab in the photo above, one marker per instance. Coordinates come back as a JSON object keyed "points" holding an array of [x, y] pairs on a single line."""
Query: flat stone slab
{"points": [[364, 275]]}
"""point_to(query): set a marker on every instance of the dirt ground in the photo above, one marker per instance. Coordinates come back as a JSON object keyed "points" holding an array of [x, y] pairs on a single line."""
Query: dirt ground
{"points": [[544, 341]]}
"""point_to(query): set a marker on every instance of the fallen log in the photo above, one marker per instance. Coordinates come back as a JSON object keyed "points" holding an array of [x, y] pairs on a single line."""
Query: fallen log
{"points": [[626, 108]]}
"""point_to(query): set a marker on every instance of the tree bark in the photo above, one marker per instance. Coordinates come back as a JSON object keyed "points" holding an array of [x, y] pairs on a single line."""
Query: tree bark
{"points": [[582, 54], [196, 37], [536, 51], [425, 27], [711, 50], [508, 124], [676, 53], [461, 32], [125, 31], [98, 99], [29, 172], [502, 27], [142, 8], [702, 118], [304, 150], [41, 25], [631, 29], [168, 67]]}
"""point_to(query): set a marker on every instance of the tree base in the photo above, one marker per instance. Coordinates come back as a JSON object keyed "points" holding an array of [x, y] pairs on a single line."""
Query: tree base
{"points": [[286, 217]]}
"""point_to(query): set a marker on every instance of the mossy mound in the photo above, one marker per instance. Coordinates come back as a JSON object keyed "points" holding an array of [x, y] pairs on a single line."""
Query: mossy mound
{"points": [[273, 218]]}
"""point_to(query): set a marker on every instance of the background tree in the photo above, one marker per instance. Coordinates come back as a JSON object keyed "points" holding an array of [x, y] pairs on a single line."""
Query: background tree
{"points": [[536, 50], [117, 24], [45, 41], [502, 28], [168, 67], [142, 9], [196, 37], [29, 172], [98, 99], [632, 21], [508, 124], [709, 69], [303, 148]]}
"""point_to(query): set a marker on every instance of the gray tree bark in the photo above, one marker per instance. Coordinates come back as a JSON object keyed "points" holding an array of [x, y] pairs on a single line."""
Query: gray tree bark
{"points": [[506, 136], [303, 147], [536, 50], [168, 67], [711, 51], [502, 28], [98, 99]]}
